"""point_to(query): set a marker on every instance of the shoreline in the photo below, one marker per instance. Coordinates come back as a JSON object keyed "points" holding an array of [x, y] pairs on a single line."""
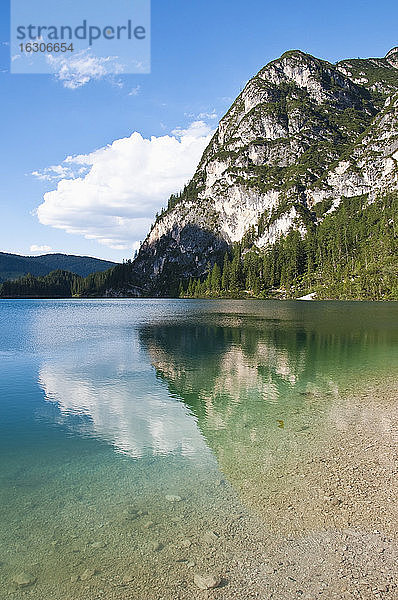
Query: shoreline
{"points": [[240, 298]]}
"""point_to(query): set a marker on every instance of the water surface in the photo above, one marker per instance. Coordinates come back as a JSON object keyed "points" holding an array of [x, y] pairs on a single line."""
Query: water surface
{"points": [[143, 441]]}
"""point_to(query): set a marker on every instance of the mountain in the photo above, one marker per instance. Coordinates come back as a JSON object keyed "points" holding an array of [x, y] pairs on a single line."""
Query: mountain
{"points": [[297, 192], [308, 149], [13, 266]]}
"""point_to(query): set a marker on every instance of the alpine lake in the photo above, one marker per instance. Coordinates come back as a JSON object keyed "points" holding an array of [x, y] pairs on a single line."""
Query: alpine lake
{"points": [[183, 449]]}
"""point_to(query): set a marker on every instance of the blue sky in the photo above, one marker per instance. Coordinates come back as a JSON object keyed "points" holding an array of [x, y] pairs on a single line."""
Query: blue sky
{"points": [[203, 53]]}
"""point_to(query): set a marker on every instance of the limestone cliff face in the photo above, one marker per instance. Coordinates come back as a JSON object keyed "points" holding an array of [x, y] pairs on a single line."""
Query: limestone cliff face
{"points": [[301, 135], [371, 166]]}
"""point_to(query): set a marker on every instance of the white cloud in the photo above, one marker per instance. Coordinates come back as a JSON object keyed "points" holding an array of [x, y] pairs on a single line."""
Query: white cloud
{"points": [[117, 83], [78, 70], [43, 248], [203, 115], [208, 115], [54, 173], [197, 130], [115, 191], [135, 91]]}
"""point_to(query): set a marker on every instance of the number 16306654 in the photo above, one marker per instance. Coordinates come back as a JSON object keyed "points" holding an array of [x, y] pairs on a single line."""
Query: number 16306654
{"points": [[46, 47]]}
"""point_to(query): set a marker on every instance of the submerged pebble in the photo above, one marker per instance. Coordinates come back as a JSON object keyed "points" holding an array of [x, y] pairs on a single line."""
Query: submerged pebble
{"points": [[24, 579], [130, 513], [148, 524], [173, 498], [156, 546], [206, 581], [88, 574], [210, 537]]}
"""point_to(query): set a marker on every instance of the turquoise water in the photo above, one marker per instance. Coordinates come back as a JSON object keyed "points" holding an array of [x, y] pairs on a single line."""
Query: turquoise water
{"points": [[142, 440]]}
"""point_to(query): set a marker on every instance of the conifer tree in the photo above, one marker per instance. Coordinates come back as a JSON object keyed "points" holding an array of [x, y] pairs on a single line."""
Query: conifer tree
{"points": [[215, 278]]}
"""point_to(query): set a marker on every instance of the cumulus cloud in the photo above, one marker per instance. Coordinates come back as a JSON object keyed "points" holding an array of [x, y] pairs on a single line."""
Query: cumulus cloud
{"points": [[37, 248], [112, 194], [78, 70]]}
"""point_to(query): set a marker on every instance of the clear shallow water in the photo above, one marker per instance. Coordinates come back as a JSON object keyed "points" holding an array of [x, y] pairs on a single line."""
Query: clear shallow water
{"points": [[107, 407]]}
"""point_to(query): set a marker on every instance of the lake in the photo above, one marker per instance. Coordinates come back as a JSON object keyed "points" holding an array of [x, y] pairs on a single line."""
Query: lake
{"points": [[144, 442]]}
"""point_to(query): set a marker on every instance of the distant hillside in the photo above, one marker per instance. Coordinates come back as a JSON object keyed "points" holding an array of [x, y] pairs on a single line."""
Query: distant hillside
{"points": [[64, 284], [13, 266]]}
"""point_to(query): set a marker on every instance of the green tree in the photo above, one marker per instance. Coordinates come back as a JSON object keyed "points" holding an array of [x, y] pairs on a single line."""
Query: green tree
{"points": [[215, 278]]}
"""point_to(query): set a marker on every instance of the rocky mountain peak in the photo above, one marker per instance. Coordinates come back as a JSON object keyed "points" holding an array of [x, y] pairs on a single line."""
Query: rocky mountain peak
{"points": [[302, 135]]}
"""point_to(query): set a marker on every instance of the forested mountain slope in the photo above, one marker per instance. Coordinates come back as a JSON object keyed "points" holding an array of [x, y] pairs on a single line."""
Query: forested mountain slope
{"points": [[307, 151]]}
